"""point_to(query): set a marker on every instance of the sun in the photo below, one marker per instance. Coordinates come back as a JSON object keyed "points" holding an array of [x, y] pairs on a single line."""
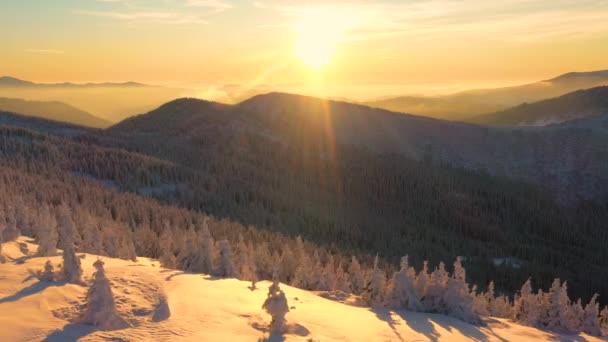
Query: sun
{"points": [[318, 34]]}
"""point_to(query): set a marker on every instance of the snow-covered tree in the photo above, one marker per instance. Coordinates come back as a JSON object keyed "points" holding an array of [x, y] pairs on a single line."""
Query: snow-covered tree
{"points": [[357, 277], [404, 294], [246, 264], [591, 321], [526, 309], [604, 318], [205, 257], [100, 308], [375, 293], [226, 267], [276, 306], [502, 307], [434, 301], [72, 271], [576, 314], [92, 239], [559, 305], [458, 297], [46, 231], [10, 231], [304, 274], [167, 257]]}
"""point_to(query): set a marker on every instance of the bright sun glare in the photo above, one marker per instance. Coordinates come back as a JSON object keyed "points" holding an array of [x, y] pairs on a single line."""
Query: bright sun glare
{"points": [[317, 37]]}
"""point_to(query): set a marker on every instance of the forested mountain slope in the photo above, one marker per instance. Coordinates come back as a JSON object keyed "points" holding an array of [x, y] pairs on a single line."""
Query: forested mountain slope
{"points": [[572, 106], [573, 170], [293, 164]]}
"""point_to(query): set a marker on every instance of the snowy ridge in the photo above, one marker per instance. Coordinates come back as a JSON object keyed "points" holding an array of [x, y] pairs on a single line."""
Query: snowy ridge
{"points": [[205, 308]]}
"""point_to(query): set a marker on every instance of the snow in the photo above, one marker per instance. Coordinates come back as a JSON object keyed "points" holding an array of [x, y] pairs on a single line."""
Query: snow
{"points": [[204, 308]]}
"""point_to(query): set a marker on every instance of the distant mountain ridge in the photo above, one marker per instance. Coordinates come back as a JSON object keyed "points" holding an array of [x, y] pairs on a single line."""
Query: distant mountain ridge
{"points": [[464, 106], [109, 101], [8, 81], [572, 106], [52, 110]]}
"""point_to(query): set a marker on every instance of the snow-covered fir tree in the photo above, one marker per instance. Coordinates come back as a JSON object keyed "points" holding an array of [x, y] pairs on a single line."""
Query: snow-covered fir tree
{"points": [[404, 294], [375, 292], [590, 323], [100, 309], [556, 317], [434, 301], [46, 232], [357, 277], [226, 265], [458, 297], [72, 270]]}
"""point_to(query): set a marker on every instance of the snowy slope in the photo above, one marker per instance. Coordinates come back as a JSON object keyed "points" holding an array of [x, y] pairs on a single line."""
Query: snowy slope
{"points": [[209, 309]]}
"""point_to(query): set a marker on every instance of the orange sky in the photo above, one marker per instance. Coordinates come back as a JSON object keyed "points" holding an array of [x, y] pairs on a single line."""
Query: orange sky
{"points": [[392, 46]]}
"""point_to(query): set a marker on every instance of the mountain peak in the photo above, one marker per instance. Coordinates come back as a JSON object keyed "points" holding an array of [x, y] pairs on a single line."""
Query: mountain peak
{"points": [[580, 75], [9, 81]]}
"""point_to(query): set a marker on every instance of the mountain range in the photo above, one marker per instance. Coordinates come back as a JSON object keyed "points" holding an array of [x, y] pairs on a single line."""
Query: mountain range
{"points": [[467, 105], [111, 102], [359, 179]]}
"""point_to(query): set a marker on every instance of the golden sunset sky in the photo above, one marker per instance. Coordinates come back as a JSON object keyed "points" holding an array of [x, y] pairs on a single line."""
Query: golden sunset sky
{"points": [[396, 46]]}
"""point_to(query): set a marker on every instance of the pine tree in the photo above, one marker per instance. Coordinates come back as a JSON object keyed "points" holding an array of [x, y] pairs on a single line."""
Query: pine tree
{"points": [[276, 306], [100, 308], [72, 271]]}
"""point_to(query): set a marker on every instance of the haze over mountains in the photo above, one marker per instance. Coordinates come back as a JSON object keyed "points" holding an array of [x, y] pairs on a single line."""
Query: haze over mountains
{"points": [[52, 110], [464, 106], [109, 101], [572, 106]]}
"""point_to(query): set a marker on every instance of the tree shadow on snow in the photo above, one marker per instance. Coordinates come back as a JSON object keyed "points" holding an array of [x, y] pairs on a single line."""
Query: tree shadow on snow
{"points": [[386, 315], [293, 329], [424, 323], [30, 290], [69, 333]]}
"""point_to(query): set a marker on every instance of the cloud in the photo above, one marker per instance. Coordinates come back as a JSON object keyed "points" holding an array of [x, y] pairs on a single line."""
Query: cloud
{"points": [[46, 51], [153, 16], [213, 4], [506, 20]]}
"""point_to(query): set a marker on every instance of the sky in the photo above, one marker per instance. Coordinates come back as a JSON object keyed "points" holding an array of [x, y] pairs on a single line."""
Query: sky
{"points": [[407, 46]]}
